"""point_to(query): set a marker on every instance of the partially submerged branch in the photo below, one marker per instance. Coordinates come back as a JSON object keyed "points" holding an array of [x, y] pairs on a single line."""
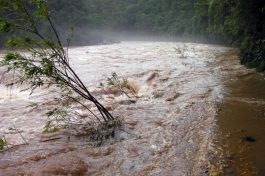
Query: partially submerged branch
{"points": [[39, 58]]}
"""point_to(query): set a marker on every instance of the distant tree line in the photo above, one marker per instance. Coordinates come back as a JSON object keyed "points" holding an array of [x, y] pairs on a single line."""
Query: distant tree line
{"points": [[237, 23]]}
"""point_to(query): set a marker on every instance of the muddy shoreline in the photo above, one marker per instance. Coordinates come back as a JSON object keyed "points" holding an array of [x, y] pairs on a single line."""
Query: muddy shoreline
{"points": [[241, 119]]}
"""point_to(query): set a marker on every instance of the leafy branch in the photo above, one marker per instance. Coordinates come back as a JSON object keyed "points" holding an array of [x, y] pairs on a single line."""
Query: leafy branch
{"points": [[122, 85], [39, 59]]}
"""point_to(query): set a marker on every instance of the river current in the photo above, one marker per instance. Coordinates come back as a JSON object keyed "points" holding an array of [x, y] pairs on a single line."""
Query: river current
{"points": [[169, 127]]}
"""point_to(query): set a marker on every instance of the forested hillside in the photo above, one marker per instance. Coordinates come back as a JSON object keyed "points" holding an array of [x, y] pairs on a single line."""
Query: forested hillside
{"points": [[237, 23]]}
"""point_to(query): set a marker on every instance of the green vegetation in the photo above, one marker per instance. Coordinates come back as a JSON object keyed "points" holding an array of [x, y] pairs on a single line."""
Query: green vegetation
{"points": [[123, 86], [235, 23], [38, 59], [240, 24], [2, 144]]}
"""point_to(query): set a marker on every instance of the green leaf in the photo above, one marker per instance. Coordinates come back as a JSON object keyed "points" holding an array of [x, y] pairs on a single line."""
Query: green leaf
{"points": [[48, 123], [6, 26], [50, 113], [72, 28], [9, 57], [2, 144]]}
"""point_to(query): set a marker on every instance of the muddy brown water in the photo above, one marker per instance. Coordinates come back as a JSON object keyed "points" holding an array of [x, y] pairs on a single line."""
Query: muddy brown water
{"points": [[176, 125], [241, 119]]}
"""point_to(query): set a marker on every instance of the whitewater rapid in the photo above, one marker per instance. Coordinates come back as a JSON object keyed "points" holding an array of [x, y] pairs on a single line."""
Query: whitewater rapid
{"points": [[167, 129]]}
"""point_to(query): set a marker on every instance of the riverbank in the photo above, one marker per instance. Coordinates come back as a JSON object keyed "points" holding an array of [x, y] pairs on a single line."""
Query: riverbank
{"points": [[241, 118]]}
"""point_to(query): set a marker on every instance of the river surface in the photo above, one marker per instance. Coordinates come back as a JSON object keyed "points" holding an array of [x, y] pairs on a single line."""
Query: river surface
{"points": [[173, 126]]}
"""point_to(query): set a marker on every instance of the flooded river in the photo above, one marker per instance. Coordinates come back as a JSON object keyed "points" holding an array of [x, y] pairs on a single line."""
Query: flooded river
{"points": [[176, 125]]}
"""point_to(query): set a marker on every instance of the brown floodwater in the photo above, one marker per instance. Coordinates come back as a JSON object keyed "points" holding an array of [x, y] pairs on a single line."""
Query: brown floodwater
{"points": [[241, 119], [170, 127]]}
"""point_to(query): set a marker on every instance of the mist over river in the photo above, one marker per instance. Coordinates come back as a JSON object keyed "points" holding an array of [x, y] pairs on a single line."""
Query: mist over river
{"points": [[170, 127]]}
